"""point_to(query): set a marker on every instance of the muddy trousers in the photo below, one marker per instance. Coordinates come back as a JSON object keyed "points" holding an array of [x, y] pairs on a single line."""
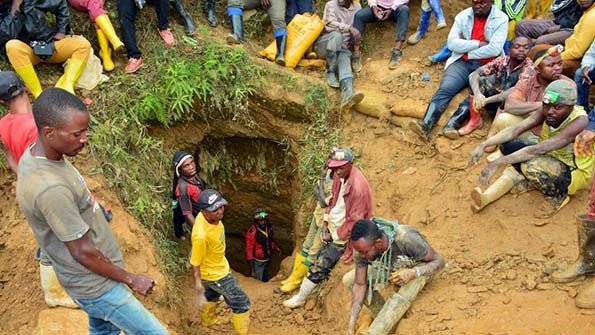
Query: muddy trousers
{"points": [[276, 12], [312, 242], [400, 16], [229, 288], [327, 258], [546, 174], [20, 54], [338, 59]]}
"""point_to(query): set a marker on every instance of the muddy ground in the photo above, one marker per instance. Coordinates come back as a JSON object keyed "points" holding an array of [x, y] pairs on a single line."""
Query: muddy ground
{"points": [[497, 278]]}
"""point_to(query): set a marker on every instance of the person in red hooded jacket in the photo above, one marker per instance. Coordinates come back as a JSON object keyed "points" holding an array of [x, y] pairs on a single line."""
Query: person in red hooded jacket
{"points": [[260, 245]]}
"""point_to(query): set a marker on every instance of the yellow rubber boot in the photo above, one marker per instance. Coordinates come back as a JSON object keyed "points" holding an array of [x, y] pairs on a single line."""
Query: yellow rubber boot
{"points": [[299, 259], [105, 24], [241, 322], [105, 53], [54, 293], [73, 70], [207, 314], [299, 272], [27, 73], [498, 189]]}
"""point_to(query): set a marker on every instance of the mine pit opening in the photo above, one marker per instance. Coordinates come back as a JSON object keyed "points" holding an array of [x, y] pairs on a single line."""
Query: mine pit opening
{"points": [[252, 173]]}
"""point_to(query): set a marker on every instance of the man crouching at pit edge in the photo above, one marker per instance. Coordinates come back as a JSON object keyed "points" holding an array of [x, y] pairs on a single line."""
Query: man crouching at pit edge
{"points": [[387, 251]]}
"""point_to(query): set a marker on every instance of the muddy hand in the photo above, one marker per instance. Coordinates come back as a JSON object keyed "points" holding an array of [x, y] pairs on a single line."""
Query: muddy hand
{"points": [[402, 276], [584, 144], [141, 284], [487, 174], [586, 71], [479, 101], [475, 155]]}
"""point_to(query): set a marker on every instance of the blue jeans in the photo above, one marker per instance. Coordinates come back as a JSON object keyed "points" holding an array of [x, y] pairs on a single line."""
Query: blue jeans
{"points": [[583, 88], [229, 288], [399, 16], [295, 7], [118, 310], [454, 80]]}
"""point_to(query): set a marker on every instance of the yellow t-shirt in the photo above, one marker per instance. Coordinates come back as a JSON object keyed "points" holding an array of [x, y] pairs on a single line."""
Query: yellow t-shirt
{"points": [[208, 249]]}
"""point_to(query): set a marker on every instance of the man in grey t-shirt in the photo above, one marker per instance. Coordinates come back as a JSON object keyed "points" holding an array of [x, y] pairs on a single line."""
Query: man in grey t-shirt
{"points": [[69, 225], [388, 251]]}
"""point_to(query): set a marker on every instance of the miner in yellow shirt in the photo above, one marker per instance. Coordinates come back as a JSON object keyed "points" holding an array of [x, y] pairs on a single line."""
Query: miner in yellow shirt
{"points": [[212, 277]]}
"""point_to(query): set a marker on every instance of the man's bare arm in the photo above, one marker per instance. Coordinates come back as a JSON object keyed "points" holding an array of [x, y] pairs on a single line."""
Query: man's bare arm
{"points": [[499, 97], [358, 294], [521, 108], [12, 163], [432, 263], [84, 251], [566, 137]]}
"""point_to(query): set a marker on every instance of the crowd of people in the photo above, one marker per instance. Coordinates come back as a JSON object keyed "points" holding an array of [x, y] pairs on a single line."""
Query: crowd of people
{"points": [[532, 76]]}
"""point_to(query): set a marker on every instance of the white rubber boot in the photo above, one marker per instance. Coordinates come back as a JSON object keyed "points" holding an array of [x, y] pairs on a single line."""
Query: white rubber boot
{"points": [[54, 292], [300, 299]]}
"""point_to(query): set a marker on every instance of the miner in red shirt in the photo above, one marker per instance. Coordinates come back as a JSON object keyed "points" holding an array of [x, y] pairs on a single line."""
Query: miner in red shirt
{"points": [[17, 127], [260, 244], [351, 201]]}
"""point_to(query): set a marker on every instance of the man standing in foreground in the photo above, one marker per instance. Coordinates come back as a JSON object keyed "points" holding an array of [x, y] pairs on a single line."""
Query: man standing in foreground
{"points": [[69, 225], [388, 251], [212, 276]]}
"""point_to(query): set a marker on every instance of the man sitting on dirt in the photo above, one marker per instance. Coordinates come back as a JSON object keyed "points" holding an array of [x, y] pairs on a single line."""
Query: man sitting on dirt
{"points": [[212, 275], [550, 165], [69, 226], [584, 77], [388, 251], [351, 200], [584, 146], [29, 39], [526, 96], [276, 10], [491, 84], [476, 37], [547, 31], [187, 186], [334, 46], [377, 11]]}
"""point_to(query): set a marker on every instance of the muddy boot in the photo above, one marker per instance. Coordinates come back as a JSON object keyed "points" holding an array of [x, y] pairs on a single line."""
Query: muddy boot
{"points": [[210, 12], [54, 293], [331, 70], [237, 26], [422, 27], [495, 191], [300, 299], [451, 129], [586, 297], [423, 128], [280, 56], [348, 98], [356, 63], [395, 58], [188, 21], [585, 263]]}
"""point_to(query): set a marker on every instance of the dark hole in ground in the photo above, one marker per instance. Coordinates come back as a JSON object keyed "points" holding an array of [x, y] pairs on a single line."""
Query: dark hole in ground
{"points": [[251, 174]]}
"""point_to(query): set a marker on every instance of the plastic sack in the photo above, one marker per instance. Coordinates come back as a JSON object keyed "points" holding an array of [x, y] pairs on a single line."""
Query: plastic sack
{"points": [[302, 31], [92, 74]]}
